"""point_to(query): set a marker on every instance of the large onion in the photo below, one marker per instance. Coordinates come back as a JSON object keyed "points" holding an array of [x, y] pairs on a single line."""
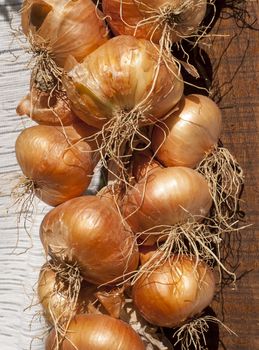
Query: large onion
{"points": [[97, 332], [174, 292], [154, 19], [190, 133], [120, 77], [88, 232], [166, 197], [56, 164], [63, 27]]}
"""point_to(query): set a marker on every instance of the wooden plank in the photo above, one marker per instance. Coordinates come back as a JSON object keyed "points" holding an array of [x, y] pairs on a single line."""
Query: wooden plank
{"points": [[238, 76]]}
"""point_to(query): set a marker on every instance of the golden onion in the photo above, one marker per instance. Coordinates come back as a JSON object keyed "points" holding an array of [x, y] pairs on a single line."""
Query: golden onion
{"points": [[174, 292], [63, 28], [88, 232], [190, 133], [56, 162], [97, 332]]}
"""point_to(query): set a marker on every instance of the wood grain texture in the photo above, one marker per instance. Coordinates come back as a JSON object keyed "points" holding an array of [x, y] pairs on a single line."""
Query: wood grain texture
{"points": [[237, 77]]}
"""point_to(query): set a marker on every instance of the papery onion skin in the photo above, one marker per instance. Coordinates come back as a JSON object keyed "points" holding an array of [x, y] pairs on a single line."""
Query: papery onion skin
{"points": [[174, 292], [59, 169], [190, 133], [88, 231], [66, 27], [98, 332], [125, 23], [55, 303], [129, 17], [166, 197], [45, 109], [118, 77]]}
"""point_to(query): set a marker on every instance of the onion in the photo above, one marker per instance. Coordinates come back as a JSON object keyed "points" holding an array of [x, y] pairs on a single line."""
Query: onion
{"points": [[54, 297], [174, 292], [118, 78], [164, 198], [47, 108], [56, 162], [88, 232], [63, 27], [97, 332], [119, 88], [190, 133], [157, 20]]}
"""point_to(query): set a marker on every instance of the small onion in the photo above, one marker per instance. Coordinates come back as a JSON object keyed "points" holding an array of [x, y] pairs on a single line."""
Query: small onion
{"points": [[46, 108], [153, 19], [88, 231], [55, 161], [190, 133], [120, 77], [54, 297], [63, 27], [97, 332], [166, 197], [174, 292]]}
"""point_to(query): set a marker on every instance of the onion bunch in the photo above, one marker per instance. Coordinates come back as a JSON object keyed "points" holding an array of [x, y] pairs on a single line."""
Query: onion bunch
{"points": [[117, 100], [121, 87]]}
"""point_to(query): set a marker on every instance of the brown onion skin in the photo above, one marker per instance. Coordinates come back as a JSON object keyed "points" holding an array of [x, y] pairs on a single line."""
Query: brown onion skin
{"points": [[58, 170], [174, 292], [187, 135], [67, 27], [132, 16], [45, 109], [89, 231], [159, 198], [134, 12], [119, 76], [54, 301], [97, 332]]}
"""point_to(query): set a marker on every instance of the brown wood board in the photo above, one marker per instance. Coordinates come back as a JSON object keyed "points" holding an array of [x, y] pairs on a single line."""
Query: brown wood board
{"points": [[237, 78]]}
